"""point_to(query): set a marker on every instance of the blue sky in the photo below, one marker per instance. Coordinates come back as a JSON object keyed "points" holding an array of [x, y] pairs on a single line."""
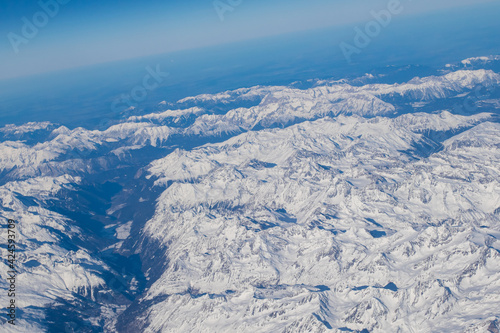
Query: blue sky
{"points": [[86, 32]]}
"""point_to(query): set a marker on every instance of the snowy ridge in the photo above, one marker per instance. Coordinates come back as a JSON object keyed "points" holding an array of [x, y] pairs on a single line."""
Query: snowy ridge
{"points": [[469, 61], [166, 114], [475, 62], [280, 106], [47, 271], [12, 130], [238, 94], [421, 88], [438, 87], [329, 209], [478, 60], [355, 217]]}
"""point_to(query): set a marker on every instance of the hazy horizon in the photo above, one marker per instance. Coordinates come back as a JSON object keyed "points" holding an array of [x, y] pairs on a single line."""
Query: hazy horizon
{"points": [[90, 33]]}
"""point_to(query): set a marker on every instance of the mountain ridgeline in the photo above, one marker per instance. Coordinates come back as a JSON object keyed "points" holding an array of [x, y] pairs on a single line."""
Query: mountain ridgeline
{"points": [[357, 205]]}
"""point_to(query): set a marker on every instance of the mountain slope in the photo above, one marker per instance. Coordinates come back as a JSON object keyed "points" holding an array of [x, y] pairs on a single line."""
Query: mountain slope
{"points": [[344, 206]]}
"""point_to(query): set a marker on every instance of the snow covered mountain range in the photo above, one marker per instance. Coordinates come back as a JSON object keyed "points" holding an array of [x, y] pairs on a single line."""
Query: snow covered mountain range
{"points": [[344, 206]]}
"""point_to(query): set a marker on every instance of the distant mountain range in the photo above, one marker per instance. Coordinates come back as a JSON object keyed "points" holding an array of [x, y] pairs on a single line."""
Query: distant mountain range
{"points": [[355, 205]]}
